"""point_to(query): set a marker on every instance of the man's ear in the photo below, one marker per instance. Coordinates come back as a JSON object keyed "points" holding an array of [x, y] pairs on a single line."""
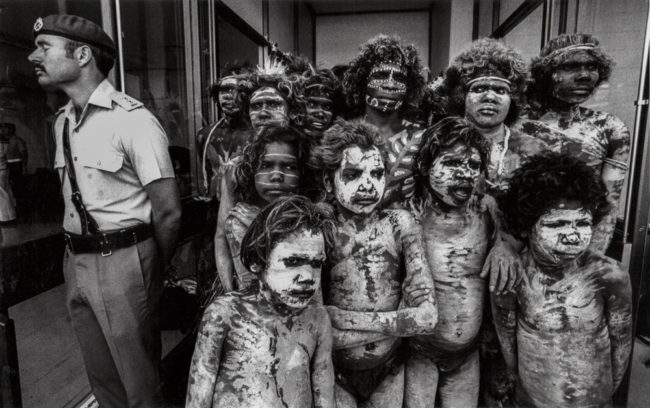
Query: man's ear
{"points": [[84, 55]]}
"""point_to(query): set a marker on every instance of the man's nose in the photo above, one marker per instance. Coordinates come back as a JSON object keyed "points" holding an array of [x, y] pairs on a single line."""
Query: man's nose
{"points": [[33, 57], [583, 74], [366, 185], [490, 95], [306, 278], [572, 238]]}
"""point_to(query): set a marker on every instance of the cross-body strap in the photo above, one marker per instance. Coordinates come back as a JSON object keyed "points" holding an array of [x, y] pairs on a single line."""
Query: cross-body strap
{"points": [[88, 223]]}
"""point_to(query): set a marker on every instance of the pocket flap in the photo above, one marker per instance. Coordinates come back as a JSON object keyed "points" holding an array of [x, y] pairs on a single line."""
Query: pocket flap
{"points": [[106, 161]]}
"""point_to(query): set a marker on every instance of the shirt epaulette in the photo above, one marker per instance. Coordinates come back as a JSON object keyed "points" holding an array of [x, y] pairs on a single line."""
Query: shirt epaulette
{"points": [[125, 101]]}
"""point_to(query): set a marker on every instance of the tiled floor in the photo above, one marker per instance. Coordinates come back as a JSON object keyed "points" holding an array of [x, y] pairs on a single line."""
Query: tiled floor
{"points": [[50, 363]]}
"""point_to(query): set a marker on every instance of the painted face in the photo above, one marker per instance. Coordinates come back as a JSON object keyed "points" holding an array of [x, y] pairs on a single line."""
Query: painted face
{"points": [[319, 114], [277, 174], [454, 173], [386, 87], [268, 108], [487, 103], [561, 234], [359, 182], [575, 79], [294, 268], [227, 95], [51, 64]]}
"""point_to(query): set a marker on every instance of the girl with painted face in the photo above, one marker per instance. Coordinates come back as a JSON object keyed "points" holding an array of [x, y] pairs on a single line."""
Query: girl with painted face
{"points": [[271, 167], [378, 285], [271, 347], [566, 329], [381, 84], [565, 75], [458, 231]]}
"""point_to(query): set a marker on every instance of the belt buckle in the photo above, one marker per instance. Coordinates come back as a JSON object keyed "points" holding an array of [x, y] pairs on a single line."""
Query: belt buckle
{"points": [[68, 241], [106, 246]]}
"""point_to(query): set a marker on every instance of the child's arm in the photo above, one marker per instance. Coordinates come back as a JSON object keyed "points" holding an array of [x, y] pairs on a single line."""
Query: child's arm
{"points": [[322, 369], [412, 319], [504, 315], [223, 258], [618, 310], [207, 355], [345, 339]]}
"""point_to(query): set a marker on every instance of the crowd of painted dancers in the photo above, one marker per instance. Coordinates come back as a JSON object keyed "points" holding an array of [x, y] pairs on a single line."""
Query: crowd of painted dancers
{"points": [[382, 241]]}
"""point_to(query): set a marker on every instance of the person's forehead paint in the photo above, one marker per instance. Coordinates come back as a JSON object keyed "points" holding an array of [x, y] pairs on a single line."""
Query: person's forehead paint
{"points": [[359, 182]]}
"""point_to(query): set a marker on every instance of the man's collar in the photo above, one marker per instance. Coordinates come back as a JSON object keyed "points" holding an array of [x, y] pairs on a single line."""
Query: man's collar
{"points": [[101, 96]]}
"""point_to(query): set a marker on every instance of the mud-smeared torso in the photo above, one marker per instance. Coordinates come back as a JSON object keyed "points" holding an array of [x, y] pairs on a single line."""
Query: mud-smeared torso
{"points": [[402, 149], [456, 248], [366, 274], [591, 136], [239, 219], [563, 344], [524, 142], [266, 361]]}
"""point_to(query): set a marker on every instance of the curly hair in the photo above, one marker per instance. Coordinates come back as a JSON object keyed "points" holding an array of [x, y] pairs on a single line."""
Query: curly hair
{"points": [[277, 221], [237, 69], [251, 157], [380, 49], [543, 182], [484, 56], [446, 133], [540, 88], [289, 87], [327, 156]]}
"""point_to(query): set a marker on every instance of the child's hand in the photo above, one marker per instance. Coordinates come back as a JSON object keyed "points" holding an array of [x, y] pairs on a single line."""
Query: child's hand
{"points": [[414, 295], [504, 267]]}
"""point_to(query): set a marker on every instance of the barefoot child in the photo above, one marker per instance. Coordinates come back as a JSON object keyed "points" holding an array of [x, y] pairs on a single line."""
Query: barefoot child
{"points": [[271, 348], [458, 230], [566, 331], [378, 285]]}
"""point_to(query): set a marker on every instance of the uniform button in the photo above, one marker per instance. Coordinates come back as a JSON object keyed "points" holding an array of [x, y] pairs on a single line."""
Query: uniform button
{"points": [[99, 163], [75, 158], [71, 215]]}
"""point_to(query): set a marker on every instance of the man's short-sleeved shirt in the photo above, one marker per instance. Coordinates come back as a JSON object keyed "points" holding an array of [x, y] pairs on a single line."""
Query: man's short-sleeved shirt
{"points": [[117, 148]]}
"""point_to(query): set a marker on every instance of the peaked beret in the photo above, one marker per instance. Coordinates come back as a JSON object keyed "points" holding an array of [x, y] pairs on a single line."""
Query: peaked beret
{"points": [[74, 28]]}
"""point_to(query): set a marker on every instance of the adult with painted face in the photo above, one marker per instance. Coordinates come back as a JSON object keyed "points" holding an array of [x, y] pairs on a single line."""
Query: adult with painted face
{"points": [[378, 284], [566, 330], [566, 74], [458, 230], [122, 210], [271, 347], [224, 139], [382, 83]]}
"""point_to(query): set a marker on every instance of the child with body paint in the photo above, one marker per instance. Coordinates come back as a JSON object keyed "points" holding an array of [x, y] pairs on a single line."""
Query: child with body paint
{"points": [[377, 284], [271, 348], [271, 167], [458, 231], [566, 331]]}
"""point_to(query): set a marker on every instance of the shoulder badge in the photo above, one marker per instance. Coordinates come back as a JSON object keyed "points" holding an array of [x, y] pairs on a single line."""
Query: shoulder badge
{"points": [[38, 25], [125, 101]]}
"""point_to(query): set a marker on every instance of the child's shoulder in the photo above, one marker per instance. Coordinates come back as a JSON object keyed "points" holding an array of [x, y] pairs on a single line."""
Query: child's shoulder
{"points": [[397, 217], [607, 268]]}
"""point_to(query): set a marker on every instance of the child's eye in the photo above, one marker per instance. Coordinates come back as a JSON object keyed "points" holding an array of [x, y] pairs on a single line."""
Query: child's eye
{"points": [[349, 175], [583, 224], [318, 263], [291, 167], [292, 261], [377, 173]]}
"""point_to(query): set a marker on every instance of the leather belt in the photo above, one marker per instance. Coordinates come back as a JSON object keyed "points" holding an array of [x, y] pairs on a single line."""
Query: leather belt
{"points": [[106, 242]]}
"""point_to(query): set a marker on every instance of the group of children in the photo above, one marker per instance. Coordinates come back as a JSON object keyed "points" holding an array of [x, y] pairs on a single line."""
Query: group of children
{"points": [[361, 250]]}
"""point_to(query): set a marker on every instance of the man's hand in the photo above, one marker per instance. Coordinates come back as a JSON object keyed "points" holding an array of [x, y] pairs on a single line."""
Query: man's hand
{"points": [[414, 295]]}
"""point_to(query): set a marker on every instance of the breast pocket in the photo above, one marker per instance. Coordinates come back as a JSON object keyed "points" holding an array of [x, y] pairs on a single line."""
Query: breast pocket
{"points": [[109, 161]]}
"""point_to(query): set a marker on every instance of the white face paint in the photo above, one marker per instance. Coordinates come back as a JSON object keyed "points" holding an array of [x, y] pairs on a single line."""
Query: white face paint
{"points": [[454, 173], [360, 181], [268, 108], [294, 268], [386, 87], [561, 234]]}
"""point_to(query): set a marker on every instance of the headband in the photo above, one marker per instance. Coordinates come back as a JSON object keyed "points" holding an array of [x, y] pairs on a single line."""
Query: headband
{"points": [[492, 78], [568, 48]]}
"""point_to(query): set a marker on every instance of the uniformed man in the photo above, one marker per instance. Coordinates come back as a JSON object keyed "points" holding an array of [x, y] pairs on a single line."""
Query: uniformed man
{"points": [[122, 210]]}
